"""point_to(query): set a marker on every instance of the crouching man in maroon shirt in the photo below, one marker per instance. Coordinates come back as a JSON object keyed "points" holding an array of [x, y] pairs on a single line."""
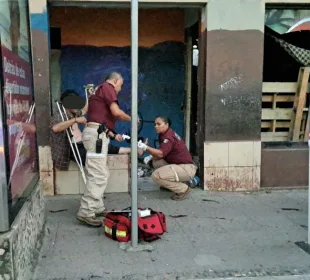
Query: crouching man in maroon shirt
{"points": [[102, 109], [173, 162]]}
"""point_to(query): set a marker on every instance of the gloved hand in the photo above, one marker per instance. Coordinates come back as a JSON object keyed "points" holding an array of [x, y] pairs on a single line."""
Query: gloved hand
{"points": [[125, 136], [147, 159], [142, 146]]}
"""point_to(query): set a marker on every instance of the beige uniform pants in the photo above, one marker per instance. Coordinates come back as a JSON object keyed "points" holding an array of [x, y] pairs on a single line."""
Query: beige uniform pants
{"points": [[172, 176], [97, 173]]}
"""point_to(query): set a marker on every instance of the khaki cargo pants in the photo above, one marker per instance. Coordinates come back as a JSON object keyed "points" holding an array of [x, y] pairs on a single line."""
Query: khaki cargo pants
{"points": [[97, 172], [172, 176]]}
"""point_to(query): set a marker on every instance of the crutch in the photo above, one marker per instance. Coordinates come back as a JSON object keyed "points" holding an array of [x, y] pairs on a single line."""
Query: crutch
{"points": [[71, 133], [21, 142], [71, 138]]}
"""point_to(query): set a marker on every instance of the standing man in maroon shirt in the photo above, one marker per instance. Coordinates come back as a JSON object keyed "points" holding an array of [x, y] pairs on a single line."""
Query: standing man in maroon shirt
{"points": [[102, 109]]}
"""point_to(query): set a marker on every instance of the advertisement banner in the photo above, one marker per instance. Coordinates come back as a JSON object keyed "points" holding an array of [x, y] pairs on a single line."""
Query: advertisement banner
{"points": [[17, 79]]}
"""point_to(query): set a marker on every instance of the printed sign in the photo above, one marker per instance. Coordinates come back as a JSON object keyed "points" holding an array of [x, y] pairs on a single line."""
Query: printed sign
{"points": [[17, 78]]}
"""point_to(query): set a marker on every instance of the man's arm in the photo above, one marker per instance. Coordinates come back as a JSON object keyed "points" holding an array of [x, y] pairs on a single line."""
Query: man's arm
{"points": [[118, 113], [62, 126], [115, 136], [85, 109]]}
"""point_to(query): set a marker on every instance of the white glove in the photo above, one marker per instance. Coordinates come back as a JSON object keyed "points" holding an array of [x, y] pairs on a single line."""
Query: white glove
{"points": [[142, 146], [124, 136], [147, 159]]}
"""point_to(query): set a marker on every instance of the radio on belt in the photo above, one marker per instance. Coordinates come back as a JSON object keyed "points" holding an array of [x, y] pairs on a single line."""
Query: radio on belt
{"points": [[98, 146], [102, 128]]}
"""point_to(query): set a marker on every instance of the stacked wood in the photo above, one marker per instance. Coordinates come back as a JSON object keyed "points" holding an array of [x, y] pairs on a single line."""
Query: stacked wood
{"points": [[285, 110]]}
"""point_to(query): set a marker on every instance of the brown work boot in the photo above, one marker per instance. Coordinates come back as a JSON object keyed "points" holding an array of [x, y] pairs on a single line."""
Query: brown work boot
{"points": [[181, 196], [102, 213], [91, 221]]}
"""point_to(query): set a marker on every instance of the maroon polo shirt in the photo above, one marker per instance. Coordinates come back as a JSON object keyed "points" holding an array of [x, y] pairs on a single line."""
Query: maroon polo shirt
{"points": [[174, 148], [99, 105]]}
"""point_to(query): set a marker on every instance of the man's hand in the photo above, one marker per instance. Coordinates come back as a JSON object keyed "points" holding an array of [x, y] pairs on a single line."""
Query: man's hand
{"points": [[79, 113], [81, 120], [142, 146], [118, 138]]}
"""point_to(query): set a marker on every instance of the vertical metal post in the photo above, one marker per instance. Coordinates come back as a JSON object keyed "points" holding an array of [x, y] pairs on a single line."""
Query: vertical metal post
{"points": [[4, 207], [134, 122], [309, 189], [188, 75]]}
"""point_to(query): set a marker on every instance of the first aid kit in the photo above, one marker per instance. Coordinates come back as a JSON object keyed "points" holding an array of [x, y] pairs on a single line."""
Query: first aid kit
{"points": [[151, 224]]}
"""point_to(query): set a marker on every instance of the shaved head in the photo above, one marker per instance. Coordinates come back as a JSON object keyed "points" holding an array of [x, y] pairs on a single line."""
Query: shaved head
{"points": [[116, 80], [114, 76]]}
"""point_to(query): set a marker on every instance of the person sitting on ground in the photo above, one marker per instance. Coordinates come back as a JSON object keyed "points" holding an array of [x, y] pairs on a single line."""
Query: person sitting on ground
{"points": [[112, 150], [172, 161]]}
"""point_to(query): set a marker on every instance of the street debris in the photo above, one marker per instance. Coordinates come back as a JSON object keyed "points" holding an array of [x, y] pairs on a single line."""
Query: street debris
{"points": [[57, 211], [290, 209], [177, 216], [210, 200]]}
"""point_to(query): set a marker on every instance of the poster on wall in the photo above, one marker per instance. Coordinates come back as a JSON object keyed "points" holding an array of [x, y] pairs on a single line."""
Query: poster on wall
{"points": [[18, 94]]}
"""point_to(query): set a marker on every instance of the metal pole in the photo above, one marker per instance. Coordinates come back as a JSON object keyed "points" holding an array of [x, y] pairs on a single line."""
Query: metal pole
{"points": [[309, 188], [134, 122], [4, 207], [188, 102]]}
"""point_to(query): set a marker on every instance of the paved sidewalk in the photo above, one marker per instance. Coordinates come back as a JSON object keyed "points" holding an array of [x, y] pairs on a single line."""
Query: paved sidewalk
{"points": [[291, 277], [210, 235]]}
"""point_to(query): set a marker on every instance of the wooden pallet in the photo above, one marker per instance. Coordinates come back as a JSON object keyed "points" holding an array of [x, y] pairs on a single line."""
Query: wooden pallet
{"points": [[299, 105], [285, 110]]}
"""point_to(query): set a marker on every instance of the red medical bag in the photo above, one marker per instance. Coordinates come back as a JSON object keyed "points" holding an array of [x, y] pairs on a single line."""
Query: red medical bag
{"points": [[117, 225]]}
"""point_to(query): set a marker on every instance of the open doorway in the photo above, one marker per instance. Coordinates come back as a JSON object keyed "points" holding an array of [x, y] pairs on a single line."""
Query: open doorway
{"points": [[87, 43]]}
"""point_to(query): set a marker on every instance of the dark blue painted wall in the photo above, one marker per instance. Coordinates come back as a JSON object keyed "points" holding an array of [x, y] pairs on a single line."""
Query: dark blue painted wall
{"points": [[161, 79]]}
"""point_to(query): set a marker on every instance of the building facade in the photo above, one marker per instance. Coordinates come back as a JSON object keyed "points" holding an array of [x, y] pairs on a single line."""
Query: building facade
{"points": [[241, 144], [21, 202], [231, 74]]}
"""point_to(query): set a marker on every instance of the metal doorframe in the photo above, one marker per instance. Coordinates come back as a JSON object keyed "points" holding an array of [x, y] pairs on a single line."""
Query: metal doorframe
{"points": [[4, 205]]}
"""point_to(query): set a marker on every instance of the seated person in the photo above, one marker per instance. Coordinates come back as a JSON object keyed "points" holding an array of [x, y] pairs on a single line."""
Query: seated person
{"points": [[172, 161], [112, 150]]}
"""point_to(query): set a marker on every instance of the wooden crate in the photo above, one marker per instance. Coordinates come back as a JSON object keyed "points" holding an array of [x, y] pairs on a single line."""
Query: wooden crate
{"points": [[277, 111]]}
